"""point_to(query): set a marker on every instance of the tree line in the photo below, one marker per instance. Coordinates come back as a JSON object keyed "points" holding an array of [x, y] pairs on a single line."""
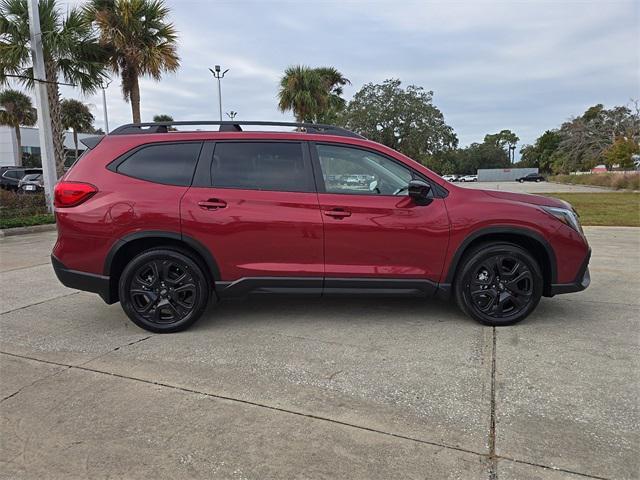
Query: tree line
{"points": [[407, 120]]}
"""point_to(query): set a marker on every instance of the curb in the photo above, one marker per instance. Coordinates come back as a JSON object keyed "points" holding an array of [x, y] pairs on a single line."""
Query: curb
{"points": [[10, 232]]}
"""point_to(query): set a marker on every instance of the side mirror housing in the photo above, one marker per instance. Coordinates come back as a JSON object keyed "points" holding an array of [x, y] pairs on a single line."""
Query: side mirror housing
{"points": [[419, 191]]}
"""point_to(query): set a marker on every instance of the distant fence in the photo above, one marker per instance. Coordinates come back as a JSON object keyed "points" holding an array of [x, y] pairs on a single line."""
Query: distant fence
{"points": [[503, 174]]}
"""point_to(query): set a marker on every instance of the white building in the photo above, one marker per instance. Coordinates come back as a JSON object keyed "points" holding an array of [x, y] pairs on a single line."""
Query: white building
{"points": [[31, 145]]}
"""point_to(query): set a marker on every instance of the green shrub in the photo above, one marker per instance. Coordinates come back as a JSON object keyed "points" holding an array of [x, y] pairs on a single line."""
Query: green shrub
{"points": [[19, 210], [618, 181]]}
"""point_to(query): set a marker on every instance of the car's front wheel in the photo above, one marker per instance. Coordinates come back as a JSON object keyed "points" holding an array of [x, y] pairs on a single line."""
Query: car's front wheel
{"points": [[498, 284], [163, 290]]}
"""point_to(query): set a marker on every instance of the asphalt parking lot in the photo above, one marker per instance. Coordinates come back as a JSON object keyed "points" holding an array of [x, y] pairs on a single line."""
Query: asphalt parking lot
{"points": [[326, 388], [533, 187]]}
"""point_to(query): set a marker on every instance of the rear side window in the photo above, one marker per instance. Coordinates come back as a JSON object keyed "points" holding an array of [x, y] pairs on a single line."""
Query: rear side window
{"points": [[261, 166], [168, 163]]}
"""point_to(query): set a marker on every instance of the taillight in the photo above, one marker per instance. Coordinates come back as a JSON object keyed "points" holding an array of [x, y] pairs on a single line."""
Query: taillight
{"points": [[70, 194]]}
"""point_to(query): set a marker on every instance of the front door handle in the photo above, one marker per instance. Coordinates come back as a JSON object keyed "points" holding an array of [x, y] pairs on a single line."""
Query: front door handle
{"points": [[212, 204], [337, 213]]}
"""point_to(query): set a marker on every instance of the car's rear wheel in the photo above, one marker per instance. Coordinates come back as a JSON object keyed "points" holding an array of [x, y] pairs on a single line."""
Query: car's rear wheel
{"points": [[163, 290], [498, 284]]}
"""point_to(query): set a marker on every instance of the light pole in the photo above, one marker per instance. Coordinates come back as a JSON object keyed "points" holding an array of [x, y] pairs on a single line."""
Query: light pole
{"points": [[104, 106], [42, 102], [512, 154], [216, 73]]}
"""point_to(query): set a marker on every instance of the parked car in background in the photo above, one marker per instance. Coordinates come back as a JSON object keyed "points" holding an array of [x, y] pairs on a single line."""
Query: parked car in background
{"points": [[450, 178], [165, 222], [468, 178], [531, 177], [10, 176], [31, 183]]}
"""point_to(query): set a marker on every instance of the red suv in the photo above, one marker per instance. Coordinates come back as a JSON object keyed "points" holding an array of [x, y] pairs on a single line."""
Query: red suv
{"points": [[164, 221]]}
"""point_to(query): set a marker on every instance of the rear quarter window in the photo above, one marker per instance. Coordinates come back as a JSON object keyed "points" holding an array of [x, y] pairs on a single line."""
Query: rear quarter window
{"points": [[167, 163]]}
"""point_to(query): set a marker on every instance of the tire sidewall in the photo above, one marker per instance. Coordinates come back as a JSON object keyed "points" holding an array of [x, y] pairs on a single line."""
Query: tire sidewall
{"points": [[164, 253], [478, 255]]}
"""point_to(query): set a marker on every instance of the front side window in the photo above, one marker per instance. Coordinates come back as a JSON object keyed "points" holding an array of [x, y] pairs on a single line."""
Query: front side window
{"points": [[261, 166], [168, 163], [355, 171]]}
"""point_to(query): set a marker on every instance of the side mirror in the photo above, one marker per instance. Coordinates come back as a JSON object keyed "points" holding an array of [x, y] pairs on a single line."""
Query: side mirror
{"points": [[419, 192]]}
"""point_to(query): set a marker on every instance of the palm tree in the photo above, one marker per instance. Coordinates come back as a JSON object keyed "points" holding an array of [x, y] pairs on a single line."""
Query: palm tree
{"points": [[314, 94], [71, 51], [302, 90], [139, 40], [333, 82], [76, 116], [17, 110]]}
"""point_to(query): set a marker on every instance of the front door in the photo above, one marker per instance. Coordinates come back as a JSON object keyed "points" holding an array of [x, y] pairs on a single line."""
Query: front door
{"points": [[257, 211], [372, 228]]}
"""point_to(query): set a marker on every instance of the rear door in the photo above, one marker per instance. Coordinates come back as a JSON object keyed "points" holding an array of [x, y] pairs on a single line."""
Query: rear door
{"points": [[254, 205], [373, 229]]}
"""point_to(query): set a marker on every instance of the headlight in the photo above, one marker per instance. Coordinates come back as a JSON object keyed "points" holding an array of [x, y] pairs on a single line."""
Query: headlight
{"points": [[567, 216]]}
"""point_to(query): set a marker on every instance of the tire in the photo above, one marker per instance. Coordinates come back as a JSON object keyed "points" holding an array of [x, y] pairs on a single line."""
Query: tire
{"points": [[508, 274], [163, 290], [521, 181]]}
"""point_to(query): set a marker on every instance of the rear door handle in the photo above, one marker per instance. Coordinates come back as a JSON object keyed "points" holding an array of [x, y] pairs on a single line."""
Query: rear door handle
{"points": [[337, 213], [212, 204]]}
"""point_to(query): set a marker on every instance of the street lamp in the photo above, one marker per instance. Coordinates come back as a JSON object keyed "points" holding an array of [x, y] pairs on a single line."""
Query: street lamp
{"points": [[231, 114], [216, 73], [104, 87]]}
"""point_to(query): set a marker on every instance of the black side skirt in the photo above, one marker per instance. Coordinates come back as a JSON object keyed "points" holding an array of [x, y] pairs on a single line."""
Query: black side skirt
{"points": [[325, 287]]}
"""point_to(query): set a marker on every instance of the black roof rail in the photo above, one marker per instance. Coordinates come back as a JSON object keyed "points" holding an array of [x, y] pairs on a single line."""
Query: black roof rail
{"points": [[231, 126]]}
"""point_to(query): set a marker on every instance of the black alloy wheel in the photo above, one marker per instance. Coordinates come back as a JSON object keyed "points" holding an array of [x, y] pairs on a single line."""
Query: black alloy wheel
{"points": [[499, 284], [163, 290]]}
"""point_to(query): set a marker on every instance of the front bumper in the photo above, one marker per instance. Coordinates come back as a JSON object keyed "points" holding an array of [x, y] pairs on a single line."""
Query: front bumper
{"points": [[89, 282], [582, 281]]}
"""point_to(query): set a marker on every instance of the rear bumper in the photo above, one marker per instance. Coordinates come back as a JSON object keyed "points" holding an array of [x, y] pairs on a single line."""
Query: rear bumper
{"points": [[582, 281], [89, 282]]}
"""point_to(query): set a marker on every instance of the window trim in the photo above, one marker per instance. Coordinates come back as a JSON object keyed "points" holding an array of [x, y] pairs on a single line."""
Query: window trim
{"points": [[306, 158], [436, 189], [114, 164]]}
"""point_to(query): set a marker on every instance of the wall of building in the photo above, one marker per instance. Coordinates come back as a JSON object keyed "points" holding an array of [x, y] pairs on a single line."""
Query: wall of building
{"points": [[30, 142], [503, 174]]}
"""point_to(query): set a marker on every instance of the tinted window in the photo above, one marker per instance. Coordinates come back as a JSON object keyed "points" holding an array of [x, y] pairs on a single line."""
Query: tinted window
{"points": [[14, 173], [261, 166], [355, 171], [170, 163]]}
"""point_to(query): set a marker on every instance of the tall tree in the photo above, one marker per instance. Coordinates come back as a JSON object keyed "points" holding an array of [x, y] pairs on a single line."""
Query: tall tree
{"points": [[76, 116], [302, 90], [403, 119], [71, 51], [17, 109], [333, 82], [140, 41]]}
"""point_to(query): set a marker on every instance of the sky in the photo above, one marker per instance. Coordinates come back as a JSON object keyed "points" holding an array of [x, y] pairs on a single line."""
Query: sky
{"points": [[522, 65]]}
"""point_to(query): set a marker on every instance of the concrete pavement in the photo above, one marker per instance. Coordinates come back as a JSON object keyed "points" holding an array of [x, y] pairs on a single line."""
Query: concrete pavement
{"points": [[326, 388]]}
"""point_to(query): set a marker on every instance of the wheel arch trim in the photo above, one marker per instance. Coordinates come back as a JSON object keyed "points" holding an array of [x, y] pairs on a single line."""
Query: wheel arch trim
{"points": [[203, 251], [497, 230]]}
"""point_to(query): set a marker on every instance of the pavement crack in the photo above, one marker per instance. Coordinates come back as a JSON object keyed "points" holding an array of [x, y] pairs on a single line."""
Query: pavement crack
{"points": [[493, 459], [21, 389], [555, 469], [40, 303], [492, 456], [115, 349], [254, 404]]}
